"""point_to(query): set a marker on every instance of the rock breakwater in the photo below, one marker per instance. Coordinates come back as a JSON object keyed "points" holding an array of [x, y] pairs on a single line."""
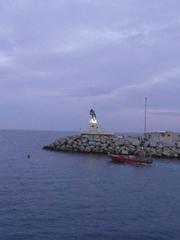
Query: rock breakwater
{"points": [[114, 144]]}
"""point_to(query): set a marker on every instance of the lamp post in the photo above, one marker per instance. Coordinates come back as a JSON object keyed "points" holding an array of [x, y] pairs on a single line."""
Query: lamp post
{"points": [[145, 117]]}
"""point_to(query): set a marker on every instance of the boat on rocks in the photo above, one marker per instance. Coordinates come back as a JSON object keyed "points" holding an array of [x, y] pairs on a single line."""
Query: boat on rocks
{"points": [[130, 159]]}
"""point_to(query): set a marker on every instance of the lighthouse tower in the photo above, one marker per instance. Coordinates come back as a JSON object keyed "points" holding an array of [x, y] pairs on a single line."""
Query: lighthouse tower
{"points": [[94, 128], [93, 123]]}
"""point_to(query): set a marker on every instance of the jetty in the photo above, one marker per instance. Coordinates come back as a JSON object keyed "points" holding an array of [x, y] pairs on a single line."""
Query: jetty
{"points": [[164, 144]]}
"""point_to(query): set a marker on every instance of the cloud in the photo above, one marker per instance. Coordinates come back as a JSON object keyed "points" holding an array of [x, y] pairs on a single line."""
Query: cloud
{"points": [[162, 79], [107, 54], [167, 112]]}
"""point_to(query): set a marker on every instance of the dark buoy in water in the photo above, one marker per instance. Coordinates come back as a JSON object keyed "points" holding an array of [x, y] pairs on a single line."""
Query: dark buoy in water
{"points": [[28, 156]]}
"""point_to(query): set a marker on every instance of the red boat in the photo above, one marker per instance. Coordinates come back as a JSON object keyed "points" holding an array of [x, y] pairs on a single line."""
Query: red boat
{"points": [[130, 159]]}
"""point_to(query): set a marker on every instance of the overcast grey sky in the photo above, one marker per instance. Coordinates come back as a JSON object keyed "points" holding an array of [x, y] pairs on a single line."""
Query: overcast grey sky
{"points": [[59, 58]]}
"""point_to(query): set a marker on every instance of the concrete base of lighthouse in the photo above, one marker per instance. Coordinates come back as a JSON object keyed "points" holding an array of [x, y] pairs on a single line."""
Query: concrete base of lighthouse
{"points": [[95, 130]]}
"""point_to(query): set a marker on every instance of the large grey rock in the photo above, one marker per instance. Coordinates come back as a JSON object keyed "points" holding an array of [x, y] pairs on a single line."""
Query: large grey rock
{"points": [[124, 150], [119, 142], [166, 152], [134, 141], [152, 143]]}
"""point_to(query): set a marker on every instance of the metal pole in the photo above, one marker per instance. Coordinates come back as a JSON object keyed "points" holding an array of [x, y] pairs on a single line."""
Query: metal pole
{"points": [[145, 117]]}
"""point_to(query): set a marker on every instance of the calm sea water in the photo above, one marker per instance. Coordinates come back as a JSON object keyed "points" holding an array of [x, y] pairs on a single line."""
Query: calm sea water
{"points": [[77, 196]]}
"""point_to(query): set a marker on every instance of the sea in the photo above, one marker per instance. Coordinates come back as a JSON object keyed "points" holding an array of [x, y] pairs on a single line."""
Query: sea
{"points": [[70, 196]]}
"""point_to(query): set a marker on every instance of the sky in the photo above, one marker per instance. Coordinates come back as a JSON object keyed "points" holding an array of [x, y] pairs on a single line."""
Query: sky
{"points": [[60, 58]]}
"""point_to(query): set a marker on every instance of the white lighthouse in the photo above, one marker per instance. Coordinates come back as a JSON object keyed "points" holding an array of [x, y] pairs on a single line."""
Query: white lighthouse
{"points": [[94, 128], [93, 123]]}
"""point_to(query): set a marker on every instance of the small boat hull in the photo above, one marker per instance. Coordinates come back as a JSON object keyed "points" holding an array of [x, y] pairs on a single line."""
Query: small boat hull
{"points": [[129, 159]]}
